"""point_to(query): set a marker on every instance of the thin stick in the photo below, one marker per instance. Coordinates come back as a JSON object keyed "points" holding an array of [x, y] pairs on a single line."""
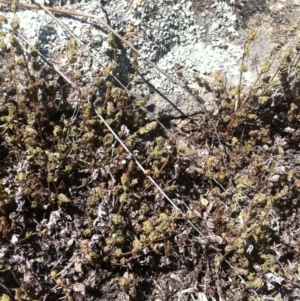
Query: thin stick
{"points": [[142, 168], [79, 41], [49, 63]]}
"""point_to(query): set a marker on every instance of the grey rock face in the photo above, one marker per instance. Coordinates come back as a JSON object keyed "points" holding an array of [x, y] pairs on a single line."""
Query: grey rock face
{"points": [[180, 36]]}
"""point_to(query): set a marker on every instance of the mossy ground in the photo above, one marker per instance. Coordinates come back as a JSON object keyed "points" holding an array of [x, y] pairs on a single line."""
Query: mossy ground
{"points": [[80, 221]]}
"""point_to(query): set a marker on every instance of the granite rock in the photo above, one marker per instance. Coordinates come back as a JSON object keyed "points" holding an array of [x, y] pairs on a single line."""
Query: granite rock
{"points": [[180, 36]]}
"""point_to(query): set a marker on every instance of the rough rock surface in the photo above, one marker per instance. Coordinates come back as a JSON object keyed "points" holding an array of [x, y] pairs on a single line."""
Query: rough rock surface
{"points": [[181, 37]]}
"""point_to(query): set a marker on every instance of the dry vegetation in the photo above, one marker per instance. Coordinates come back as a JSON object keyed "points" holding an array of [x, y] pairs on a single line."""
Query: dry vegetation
{"points": [[80, 221]]}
